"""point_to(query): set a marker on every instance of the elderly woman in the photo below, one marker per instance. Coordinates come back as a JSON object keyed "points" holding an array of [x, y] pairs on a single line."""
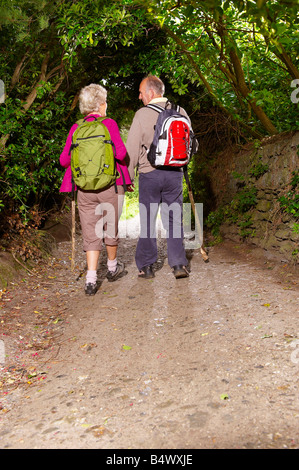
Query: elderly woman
{"points": [[92, 104]]}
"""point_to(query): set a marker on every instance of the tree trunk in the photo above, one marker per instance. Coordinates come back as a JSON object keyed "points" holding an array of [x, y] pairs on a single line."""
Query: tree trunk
{"points": [[282, 55], [73, 105], [57, 86], [244, 90], [286, 59], [17, 71], [31, 97]]}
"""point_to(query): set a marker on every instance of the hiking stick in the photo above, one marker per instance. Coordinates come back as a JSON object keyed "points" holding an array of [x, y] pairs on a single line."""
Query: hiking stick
{"points": [[73, 229], [197, 221]]}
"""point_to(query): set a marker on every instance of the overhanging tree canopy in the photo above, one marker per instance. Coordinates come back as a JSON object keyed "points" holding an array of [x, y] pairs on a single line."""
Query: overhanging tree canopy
{"points": [[236, 56], [243, 52]]}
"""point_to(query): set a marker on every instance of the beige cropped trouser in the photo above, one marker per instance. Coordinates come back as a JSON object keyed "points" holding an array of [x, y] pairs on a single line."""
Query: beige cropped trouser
{"points": [[99, 213]]}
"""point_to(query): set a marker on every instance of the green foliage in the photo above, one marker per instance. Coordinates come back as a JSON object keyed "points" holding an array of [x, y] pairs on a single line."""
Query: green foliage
{"points": [[215, 219], [199, 180], [245, 199], [258, 170], [86, 24], [264, 37], [290, 202], [30, 169], [131, 203], [237, 176], [245, 224], [236, 212]]}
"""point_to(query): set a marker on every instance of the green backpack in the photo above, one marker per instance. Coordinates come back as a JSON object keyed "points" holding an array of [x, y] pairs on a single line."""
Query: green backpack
{"points": [[92, 157]]}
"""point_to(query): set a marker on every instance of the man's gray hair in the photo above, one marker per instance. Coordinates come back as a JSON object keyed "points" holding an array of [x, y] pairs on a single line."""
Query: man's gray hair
{"points": [[153, 82], [91, 97]]}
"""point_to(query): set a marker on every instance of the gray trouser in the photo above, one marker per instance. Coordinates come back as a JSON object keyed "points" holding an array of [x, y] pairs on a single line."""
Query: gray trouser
{"points": [[161, 188]]}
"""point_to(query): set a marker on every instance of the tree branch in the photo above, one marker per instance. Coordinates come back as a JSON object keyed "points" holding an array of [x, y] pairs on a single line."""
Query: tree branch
{"points": [[31, 97], [180, 43]]}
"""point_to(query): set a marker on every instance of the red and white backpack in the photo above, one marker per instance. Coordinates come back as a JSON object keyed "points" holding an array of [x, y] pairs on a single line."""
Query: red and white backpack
{"points": [[174, 142]]}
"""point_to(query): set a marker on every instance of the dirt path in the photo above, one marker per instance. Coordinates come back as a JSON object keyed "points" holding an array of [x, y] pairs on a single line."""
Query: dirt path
{"points": [[207, 362]]}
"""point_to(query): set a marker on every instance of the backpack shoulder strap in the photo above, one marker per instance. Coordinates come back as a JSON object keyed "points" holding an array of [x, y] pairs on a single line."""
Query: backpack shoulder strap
{"points": [[155, 107], [93, 116], [159, 108], [171, 105], [176, 107]]}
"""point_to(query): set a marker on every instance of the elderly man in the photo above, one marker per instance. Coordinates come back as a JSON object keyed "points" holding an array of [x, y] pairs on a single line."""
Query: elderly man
{"points": [[157, 186]]}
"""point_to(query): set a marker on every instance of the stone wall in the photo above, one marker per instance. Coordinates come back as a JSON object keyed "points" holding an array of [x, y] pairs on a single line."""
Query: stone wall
{"points": [[266, 167]]}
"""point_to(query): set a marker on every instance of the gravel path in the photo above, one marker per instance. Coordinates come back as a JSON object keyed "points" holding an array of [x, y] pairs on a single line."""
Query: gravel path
{"points": [[208, 362]]}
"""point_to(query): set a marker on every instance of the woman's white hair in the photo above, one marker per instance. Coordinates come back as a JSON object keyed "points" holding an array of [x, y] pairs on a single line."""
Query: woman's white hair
{"points": [[91, 97]]}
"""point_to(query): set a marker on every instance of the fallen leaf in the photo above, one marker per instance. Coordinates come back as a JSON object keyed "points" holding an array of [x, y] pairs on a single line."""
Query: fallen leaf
{"points": [[30, 376], [283, 387], [126, 348], [224, 396]]}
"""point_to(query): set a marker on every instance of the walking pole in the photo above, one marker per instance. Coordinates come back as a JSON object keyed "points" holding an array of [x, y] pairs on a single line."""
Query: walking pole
{"points": [[197, 221], [73, 227]]}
